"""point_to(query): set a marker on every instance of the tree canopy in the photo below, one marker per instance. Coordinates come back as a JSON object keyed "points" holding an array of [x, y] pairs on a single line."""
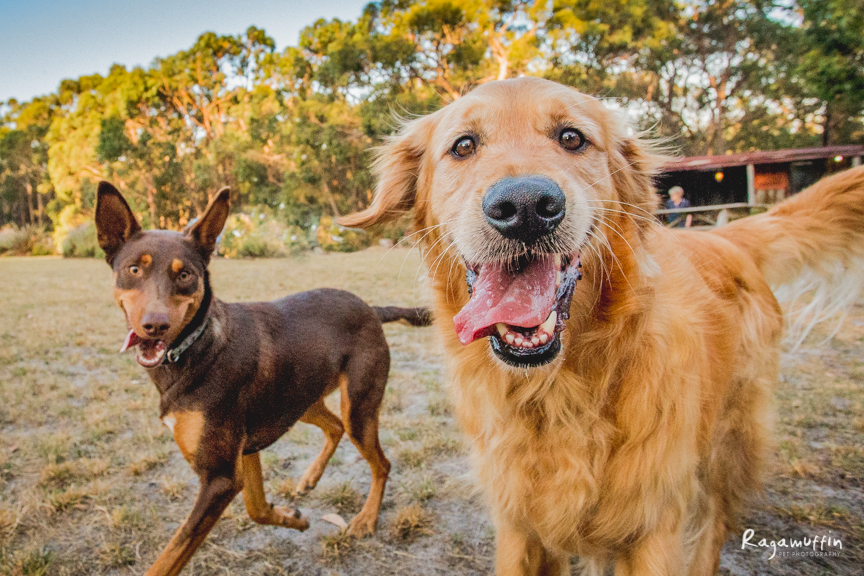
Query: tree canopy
{"points": [[291, 131]]}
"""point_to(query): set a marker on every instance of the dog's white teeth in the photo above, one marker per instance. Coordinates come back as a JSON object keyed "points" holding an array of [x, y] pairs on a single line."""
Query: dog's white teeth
{"points": [[510, 338], [544, 338], [549, 325], [558, 276], [535, 340], [558, 261], [519, 340], [502, 329]]}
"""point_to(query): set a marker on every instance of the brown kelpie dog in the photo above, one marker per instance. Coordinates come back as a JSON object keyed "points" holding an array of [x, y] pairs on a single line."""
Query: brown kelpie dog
{"points": [[233, 378]]}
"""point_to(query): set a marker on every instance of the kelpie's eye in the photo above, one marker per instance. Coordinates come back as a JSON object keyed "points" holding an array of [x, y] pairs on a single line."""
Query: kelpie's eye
{"points": [[134, 270], [465, 146], [184, 276], [571, 139]]}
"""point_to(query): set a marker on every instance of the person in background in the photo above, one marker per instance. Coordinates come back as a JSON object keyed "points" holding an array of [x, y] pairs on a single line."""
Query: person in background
{"points": [[677, 200]]}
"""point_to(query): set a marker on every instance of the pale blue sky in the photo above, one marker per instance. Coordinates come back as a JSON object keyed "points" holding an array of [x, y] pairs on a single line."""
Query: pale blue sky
{"points": [[45, 41]]}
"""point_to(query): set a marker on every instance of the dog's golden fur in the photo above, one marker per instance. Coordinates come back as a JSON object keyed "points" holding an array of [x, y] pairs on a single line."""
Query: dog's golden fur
{"points": [[638, 445]]}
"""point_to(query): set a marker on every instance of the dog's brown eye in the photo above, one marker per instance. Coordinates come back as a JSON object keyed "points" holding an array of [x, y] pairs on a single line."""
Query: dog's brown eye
{"points": [[464, 147], [134, 270], [184, 276], [571, 139]]}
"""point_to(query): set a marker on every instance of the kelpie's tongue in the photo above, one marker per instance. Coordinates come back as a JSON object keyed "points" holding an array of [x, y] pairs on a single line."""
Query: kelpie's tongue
{"points": [[132, 339], [524, 299]]}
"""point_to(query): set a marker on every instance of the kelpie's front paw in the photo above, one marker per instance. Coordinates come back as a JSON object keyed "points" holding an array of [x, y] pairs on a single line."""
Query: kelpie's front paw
{"points": [[309, 479], [362, 525], [291, 518], [303, 486]]}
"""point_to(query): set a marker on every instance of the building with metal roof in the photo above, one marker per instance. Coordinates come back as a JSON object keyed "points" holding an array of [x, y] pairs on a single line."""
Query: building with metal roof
{"points": [[754, 178]]}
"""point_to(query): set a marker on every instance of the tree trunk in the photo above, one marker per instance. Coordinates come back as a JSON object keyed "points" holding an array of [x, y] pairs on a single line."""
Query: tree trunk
{"points": [[826, 127], [330, 198], [30, 209], [40, 212], [500, 54], [151, 204]]}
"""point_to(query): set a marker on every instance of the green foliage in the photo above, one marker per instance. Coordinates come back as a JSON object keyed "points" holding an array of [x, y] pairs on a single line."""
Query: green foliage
{"points": [[80, 242], [259, 234], [75, 234], [13, 239], [24, 241], [334, 238]]}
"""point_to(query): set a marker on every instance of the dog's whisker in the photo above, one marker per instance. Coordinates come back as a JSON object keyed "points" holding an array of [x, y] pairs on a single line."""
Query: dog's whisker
{"points": [[615, 257], [405, 239], [399, 276], [429, 249]]}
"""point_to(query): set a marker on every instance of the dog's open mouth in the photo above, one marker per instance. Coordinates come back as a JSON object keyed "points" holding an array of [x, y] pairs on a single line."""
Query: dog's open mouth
{"points": [[522, 306], [150, 352]]}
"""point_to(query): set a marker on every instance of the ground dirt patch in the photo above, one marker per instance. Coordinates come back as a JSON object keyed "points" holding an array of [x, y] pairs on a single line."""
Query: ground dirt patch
{"points": [[92, 483]]}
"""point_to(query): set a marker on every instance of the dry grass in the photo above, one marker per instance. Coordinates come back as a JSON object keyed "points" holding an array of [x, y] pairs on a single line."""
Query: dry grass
{"points": [[343, 497], [336, 547], [411, 522], [92, 483]]}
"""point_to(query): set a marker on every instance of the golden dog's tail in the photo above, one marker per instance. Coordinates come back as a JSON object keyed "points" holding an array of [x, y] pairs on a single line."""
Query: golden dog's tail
{"points": [[810, 249]]}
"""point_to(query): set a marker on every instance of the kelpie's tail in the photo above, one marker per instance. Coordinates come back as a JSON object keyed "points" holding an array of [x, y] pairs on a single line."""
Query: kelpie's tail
{"points": [[810, 249], [414, 316]]}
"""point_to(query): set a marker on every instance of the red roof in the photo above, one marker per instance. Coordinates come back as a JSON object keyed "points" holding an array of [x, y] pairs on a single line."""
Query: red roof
{"points": [[762, 157]]}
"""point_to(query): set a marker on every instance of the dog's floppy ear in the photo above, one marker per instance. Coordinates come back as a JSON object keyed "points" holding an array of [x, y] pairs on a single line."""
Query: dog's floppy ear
{"points": [[633, 167], [115, 223], [207, 229], [397, 166]]}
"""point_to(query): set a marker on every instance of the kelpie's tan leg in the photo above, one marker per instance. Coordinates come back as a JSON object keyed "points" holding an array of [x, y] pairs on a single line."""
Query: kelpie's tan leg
{"points": [[256, 502], [319, 415], [365, 438], [520, 554], [214, 496]]}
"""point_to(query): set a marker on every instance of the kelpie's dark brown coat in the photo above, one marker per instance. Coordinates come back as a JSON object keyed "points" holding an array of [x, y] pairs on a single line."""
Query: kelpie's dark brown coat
{"points": [[254, 371]]}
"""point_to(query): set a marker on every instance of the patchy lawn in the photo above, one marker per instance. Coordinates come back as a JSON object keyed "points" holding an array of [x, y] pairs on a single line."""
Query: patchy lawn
{"points": [[92, 483]]}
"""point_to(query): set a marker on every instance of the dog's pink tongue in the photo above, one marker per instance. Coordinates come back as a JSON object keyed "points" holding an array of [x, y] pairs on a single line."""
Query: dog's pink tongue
{"points": [[524, 299], [131, 340]]}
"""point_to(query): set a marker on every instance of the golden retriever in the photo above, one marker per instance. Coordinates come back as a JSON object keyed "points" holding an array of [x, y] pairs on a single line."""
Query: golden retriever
{"points": [[614, 377]]}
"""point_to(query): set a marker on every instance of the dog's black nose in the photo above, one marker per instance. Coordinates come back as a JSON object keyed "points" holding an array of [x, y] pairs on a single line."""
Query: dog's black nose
{"points": [[524, 208], [155, 324]]}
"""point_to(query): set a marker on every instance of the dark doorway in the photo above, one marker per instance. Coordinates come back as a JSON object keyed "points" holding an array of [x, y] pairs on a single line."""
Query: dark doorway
{"points": [[703, 189]]}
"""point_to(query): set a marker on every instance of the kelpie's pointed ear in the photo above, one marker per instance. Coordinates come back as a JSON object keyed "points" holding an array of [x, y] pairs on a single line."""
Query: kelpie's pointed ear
{"points": [[207, 229], [397, 167], [115, 223]]}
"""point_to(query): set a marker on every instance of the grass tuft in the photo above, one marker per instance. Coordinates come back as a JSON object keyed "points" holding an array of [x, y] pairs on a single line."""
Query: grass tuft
{"points": [[116, 555], [336, 547], [342, 496], [411, 522], [147, 463]]}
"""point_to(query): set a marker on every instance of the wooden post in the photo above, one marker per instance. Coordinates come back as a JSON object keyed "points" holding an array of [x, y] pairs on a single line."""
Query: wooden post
{"points": [[751, 184], [856, 161]]}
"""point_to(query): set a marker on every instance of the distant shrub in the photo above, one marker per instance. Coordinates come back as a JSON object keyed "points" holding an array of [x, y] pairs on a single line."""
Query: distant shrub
{"points": [[80, 242], [13, 240], [335, 238], [27, 240], [43, 246], [75, 234], [259, 234]]}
